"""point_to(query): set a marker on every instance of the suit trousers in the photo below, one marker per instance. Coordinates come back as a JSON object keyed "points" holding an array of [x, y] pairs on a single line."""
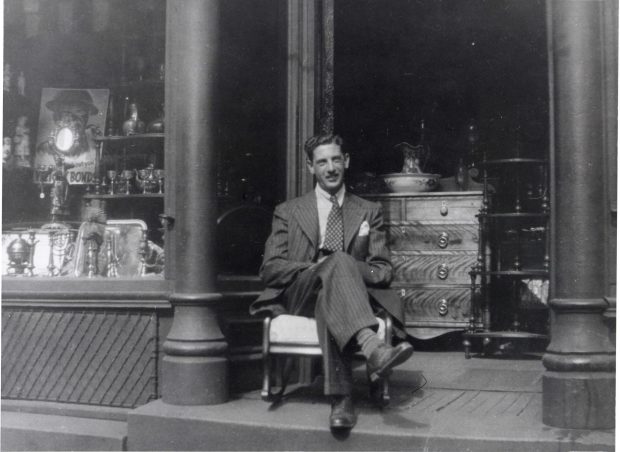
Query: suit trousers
{"points": [[334, 293]]}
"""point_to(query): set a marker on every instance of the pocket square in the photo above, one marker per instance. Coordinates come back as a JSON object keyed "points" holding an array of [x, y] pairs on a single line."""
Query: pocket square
{"points": [[364, 229]]}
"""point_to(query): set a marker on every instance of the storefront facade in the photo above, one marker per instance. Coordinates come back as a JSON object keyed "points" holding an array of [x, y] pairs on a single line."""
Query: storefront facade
{"points": [[182, 334]]}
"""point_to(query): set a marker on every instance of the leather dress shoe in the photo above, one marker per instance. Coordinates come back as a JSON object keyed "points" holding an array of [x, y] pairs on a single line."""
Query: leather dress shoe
{"points": [[343, 413], [385, 357]]}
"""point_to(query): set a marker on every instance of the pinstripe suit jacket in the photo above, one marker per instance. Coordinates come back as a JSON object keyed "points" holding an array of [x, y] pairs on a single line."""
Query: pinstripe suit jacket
{"points": [[294, 245]]}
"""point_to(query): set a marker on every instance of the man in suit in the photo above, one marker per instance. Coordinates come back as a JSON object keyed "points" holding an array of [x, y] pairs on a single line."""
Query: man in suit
{"points": [[327, 258]]}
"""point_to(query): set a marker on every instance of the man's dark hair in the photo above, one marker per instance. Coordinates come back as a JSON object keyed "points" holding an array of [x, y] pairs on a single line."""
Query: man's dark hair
{"points": [[319, 140]]}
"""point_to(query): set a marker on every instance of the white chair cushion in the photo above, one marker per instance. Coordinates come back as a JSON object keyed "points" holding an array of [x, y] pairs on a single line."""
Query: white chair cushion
{"points": [[297, 330]]}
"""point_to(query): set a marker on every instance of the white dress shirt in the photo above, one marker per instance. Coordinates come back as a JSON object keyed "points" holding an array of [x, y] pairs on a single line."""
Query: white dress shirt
{"points": [[324, 206]]}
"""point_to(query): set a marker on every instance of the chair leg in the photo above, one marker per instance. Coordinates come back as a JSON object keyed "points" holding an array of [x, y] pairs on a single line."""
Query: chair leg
{"points": [[266, 391], [283, 368], [389, 336]]}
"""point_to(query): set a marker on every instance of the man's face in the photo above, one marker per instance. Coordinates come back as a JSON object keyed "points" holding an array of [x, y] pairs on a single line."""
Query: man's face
{"points": [[328, 165]]}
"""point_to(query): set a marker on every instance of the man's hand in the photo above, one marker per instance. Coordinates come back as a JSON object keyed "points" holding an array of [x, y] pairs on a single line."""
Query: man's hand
{"points": [[314, 264]]}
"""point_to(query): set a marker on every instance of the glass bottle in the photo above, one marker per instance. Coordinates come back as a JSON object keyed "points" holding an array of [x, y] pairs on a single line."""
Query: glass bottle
{"points": [[133, 124]]}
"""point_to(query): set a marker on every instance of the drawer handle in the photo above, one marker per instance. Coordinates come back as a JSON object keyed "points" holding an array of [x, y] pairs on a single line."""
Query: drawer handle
{"points": [[444, 208], [442, 271], [443, 307], [442, 240]]}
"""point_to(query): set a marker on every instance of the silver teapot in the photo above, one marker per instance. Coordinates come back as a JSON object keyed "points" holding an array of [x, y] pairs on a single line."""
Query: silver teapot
{"points": [[147, 180]]}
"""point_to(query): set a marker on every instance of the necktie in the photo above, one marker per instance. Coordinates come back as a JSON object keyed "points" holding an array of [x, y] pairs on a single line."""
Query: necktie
{"points": [[334, 234]]}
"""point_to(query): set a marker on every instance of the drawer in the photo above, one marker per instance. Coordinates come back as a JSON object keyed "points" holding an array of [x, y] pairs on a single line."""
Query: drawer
{"points": [[427, 307], [412, 236], [446, 208], [392, 209], [433, 268]]}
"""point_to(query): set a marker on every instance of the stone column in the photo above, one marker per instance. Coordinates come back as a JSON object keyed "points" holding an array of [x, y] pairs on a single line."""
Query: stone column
{"points": [[195, 367], [302, 68], [579, 382]]}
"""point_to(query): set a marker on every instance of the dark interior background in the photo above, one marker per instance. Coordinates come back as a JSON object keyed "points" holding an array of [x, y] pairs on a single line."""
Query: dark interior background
{"points": [[446, 62]]}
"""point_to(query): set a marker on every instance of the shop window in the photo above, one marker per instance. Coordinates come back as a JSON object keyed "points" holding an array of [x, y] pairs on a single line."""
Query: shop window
{"points": [[83, 156], [458, 78], [84, 177]]}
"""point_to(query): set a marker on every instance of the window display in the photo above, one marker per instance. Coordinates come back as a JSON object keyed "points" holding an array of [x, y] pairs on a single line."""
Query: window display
{"points": [[99, 196], [83, 142]]}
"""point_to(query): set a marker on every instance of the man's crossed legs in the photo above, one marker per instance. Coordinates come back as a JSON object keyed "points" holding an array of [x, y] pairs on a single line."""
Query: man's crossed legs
{"points": [[334, 293]]}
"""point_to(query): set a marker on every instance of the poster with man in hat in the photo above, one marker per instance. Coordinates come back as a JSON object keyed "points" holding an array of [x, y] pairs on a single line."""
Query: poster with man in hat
{"points": [[68, 121]]}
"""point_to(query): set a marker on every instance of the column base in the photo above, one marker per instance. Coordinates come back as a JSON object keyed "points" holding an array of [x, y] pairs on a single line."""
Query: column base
{"points": [[189, 380], [579, 400]]}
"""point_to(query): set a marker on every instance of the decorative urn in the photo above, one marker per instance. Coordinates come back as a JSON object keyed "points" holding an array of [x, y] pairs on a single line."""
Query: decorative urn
{"points": [[19, 254]]}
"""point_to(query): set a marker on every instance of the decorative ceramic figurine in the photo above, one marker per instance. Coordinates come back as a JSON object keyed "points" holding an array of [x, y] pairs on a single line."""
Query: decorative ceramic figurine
{"points": [[21, 141], [60, 189]]}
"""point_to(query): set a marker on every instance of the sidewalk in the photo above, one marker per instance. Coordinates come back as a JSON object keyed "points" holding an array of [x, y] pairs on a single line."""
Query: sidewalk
{"points": [[440, 402]]}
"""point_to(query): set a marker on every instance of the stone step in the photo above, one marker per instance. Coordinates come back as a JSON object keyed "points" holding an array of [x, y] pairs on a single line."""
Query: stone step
{"points": [[30, 431], [433, 420]]}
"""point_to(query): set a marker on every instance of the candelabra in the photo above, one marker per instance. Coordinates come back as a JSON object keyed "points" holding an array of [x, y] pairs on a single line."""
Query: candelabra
{"points": [[142, 251], [112, 268], [91, 258], [31, 246]]}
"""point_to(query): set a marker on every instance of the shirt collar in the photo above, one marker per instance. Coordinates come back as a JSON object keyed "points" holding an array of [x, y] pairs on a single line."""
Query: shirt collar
{"points": [[320, 193]]}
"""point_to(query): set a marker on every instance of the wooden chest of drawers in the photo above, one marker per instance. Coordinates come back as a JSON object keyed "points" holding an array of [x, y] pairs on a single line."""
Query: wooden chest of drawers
{"points": [[433, 240]]}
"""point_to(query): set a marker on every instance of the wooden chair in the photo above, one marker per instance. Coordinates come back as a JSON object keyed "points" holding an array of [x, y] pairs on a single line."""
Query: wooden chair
{"points": [[290, 335]]}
